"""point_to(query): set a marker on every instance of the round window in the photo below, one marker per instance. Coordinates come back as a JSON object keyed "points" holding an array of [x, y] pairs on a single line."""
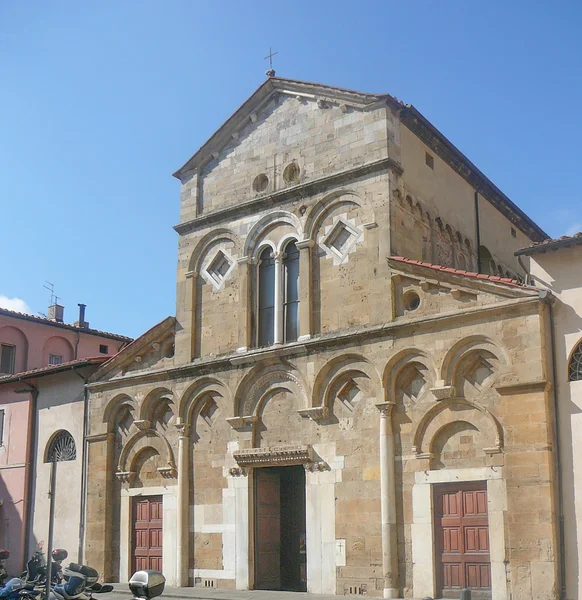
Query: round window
{"points": [[260, 183], [291, 173], [411, 301]]}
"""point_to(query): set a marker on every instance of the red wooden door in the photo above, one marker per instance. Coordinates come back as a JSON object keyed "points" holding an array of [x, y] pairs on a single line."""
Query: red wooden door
{"points": [[147, 533], [462, 539], [267, 530]]}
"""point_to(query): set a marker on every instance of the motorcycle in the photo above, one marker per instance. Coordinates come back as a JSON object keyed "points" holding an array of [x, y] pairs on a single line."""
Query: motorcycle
{"points": [[4, 555], [36, 567]]}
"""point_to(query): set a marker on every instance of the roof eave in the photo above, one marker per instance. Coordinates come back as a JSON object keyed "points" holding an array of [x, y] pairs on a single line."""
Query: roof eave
{"points": [[541, 248]]}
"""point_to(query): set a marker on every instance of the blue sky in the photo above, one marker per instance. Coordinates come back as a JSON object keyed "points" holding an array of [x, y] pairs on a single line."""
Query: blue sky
{"points": [[100, 102]]}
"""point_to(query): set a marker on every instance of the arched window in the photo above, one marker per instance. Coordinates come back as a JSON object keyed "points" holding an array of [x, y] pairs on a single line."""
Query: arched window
{"points": [[61, 447], [291, 293], [575, 371], [266, 320]]}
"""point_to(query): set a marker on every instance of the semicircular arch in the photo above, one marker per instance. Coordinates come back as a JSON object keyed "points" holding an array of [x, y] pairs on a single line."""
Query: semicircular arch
{"points": [[143, 439], [324, 206], [150, 402], [207, 242], [196, 394], [400, 361], [267, 222], [113, 407]]}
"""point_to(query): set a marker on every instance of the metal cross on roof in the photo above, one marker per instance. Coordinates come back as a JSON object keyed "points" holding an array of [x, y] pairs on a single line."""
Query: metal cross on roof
{"points": [[270, 72]]}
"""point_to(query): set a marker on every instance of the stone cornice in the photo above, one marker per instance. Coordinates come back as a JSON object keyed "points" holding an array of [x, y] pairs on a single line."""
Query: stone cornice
{"points": [[308, 188], [275, 455], [323, 343]]}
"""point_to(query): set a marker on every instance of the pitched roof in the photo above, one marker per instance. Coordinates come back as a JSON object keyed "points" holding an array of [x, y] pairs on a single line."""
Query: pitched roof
{"points": [[158, 331], [52, 369], [409, 116], [50, 322], [470, 274], [552, 244]]}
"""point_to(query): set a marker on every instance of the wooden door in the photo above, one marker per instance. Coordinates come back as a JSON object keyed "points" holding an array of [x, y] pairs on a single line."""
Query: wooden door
{"points": [[462, 539], [147, 533], [267, 530]]}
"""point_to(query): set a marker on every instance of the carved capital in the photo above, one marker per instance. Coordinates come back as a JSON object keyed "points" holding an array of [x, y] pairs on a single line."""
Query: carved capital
{"points": [[167, 472], [125, 476], [143, 425], [443, 392], [183, 429], [385, 408], [238, 472], [316, 413], [316, 466], [305, 244]]}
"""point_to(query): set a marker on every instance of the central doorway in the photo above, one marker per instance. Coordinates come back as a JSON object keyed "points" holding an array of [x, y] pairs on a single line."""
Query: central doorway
{"points": [[280, 552]]}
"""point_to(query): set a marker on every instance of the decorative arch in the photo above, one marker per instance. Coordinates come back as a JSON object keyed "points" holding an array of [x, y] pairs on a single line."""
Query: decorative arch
{"points": [[398, 363], [441, 414], [57, 344], [151, 401], [114, 406], [458, 351], [269, 220], [60, 447], [326, 204], [575, 363], [205, 244], [14, 336], [132, 448], [197, 393], [262, 380], [344, 367]]}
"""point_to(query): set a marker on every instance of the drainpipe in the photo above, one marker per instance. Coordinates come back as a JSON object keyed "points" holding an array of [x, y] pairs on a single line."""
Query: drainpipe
{"points": [[28, 506], [547, 296], [388, 502], [478, 233], [84, 468]]}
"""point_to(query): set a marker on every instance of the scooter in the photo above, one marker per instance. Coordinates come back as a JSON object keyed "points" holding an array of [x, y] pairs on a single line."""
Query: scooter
{"points": [[36, 567]]}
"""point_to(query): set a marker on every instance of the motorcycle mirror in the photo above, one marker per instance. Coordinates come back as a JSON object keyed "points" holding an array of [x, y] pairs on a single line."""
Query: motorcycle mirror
{"points": [[147, 584]]}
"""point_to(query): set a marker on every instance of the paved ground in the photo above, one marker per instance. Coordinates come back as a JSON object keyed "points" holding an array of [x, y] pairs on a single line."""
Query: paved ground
{"points": [[122, 591]]}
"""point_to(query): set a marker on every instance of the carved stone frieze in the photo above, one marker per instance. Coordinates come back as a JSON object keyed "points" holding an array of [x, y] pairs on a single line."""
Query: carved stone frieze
{"points": [[238, 471], [167, 472], [274, 456]]}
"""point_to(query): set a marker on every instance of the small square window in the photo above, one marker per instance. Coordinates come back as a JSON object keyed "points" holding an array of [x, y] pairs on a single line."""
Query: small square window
{"points": [[429, 159], [513, 232], [339, 238], [55, 359], [103, 349], [219, 267]]}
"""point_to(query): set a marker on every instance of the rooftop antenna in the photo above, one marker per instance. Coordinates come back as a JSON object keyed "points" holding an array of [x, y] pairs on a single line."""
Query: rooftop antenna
{"points": [[51, 288], [271, 72]]}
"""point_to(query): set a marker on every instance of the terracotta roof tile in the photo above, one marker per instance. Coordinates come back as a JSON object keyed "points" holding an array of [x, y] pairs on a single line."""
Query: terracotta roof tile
{"points": [[27, 317], [552, 243], [51, 369], [470, 274]]}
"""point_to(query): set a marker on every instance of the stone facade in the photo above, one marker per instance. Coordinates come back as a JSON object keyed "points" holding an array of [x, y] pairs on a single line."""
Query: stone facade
{"points": [[403, 376]]}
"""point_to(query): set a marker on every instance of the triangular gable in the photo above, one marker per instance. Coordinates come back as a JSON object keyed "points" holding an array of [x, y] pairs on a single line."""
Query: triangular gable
{"points": [[274, 85], [132, 356]]}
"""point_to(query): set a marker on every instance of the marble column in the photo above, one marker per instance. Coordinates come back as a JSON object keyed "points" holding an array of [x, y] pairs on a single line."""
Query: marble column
{"points": [[279, 291], [305, 312], [182, 521], [388, 502]]}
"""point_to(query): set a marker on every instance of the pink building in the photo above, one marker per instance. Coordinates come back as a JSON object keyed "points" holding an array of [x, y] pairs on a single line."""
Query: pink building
{"points": [[34, 352]]}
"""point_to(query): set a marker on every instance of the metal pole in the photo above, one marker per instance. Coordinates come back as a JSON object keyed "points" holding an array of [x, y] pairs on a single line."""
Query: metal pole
{"points": [[52, 496]]}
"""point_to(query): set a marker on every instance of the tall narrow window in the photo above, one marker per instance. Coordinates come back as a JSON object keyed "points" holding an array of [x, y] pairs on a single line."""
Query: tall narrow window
{"points": [[2, 413], [291, 291], [7, 356], [266, 321]]}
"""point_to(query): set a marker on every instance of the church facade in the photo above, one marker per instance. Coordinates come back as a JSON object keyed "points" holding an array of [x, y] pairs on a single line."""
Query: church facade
{"points": [[354, 395]]}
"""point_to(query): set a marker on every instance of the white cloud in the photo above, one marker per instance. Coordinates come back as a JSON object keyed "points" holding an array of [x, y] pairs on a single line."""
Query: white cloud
{"points": [[14, 304], [574, 229]]}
